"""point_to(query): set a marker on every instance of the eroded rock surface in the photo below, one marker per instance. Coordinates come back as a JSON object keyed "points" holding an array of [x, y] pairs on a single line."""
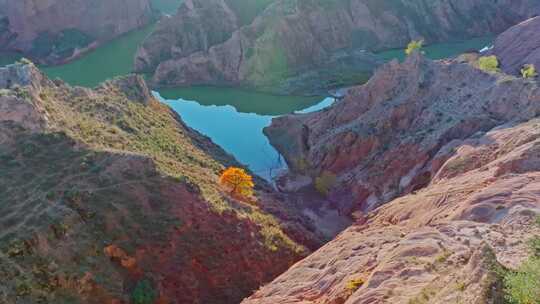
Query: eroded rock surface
{"points": [[518, 46], [440, 244], [438, 163], [390, 136]]}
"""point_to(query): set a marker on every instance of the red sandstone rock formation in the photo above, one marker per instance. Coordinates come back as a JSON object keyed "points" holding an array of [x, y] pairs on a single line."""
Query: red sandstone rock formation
{"points": [[441, 161], [389, 137], [440, 244], [518, 46]]}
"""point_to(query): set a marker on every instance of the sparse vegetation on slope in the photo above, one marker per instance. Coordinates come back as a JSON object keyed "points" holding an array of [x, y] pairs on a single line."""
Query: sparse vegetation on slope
{"points": [[522, 286], [413, 46], [529, 71], [488, 64], [106, 195]]}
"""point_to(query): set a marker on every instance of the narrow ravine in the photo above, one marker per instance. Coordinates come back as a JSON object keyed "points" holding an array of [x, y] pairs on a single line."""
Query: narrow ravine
{"points": [[239, 133]]}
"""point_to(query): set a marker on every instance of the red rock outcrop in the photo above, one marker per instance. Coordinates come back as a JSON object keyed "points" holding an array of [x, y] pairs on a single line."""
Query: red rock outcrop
{"points": [[388, 137], [54, 31], [440, 163], [306, 46], [518, 46], [441, 244]]}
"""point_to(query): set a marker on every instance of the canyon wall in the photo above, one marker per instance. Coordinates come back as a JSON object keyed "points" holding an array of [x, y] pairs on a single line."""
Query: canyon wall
{"points": [[307, 46], [438, 162], [389, 137], [53, 31]]}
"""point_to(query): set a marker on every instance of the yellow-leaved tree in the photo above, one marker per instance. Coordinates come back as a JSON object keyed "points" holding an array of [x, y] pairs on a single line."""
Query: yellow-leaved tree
{"points": [[529, 71], [489, 64], [237, 182], [413, 46]]}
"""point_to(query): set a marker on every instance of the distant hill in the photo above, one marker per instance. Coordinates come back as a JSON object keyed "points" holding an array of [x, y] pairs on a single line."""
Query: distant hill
{"points": [[58, 30], [291, 46]]}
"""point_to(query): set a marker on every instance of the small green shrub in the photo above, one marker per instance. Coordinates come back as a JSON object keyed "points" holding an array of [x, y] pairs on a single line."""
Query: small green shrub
{"points": [[414, 46], [534, 244], [25, 61], [489, 64], [22, 93], [523, 285], [301, 165], [461, 286], [424, 297], [325, 182], [443, 257], [143, 293], [353, 285], [529, 71]]}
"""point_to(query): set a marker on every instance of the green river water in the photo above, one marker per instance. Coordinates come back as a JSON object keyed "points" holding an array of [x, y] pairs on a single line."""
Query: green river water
{"points": [[168, 7], [233, 118]]}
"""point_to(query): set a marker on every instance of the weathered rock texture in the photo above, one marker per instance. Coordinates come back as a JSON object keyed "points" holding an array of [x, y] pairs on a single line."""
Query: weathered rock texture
{"points": [[282, 45], [439, 163], [107, 197], [53, 31], [518, 46], [390, 136], [441, 244]]}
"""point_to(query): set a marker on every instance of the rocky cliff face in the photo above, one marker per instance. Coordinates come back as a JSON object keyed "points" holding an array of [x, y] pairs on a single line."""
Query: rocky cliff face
{"points": [[389, 137], [197, 26], [518, 46], [107, 197], [447, 243], [440, 161], [285, 44], [53, 31]]}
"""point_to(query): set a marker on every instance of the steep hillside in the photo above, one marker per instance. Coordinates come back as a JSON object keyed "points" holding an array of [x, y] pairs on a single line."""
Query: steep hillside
{"points": [[291, 46], [107, 197], [54, 31]]}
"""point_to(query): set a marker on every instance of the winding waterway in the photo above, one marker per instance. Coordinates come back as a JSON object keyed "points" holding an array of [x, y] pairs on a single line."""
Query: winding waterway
{"points": [[239, 133], [232, 118]]}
